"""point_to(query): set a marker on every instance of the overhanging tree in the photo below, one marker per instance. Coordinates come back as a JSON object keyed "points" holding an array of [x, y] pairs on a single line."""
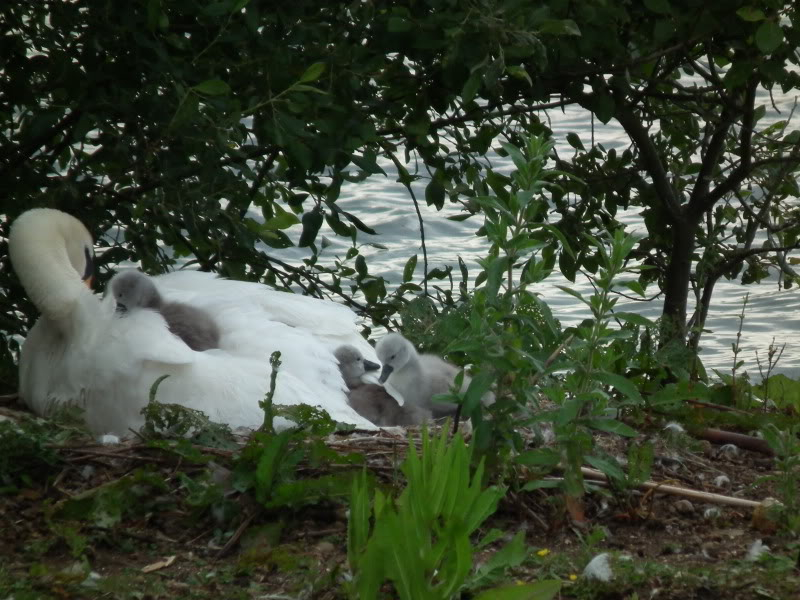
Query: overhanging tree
{"points": [[174, 120]]}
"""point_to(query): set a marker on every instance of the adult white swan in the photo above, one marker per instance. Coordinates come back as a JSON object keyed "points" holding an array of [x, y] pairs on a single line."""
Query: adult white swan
{"points": [[82, 350]]}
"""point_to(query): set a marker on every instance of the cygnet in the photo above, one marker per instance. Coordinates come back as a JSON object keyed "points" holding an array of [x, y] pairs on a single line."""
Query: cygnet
{"points": [[134, 289], [372, 401], [418, 377]]}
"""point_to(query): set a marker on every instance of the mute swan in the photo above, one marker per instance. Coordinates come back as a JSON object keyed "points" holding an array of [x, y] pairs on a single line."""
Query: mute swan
{"points": [[134, 289], [418, 377], [372, 401], [81, 350]]}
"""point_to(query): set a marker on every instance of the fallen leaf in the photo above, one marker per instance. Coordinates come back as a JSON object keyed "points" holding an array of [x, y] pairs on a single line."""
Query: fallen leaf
{"points": [[161, 564]]}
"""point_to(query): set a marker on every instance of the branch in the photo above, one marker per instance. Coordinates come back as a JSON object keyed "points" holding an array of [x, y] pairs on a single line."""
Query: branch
{"points": [[711, 159], [30, 148], [652, 161], [478, 115], [400, 168], [745, 167]]}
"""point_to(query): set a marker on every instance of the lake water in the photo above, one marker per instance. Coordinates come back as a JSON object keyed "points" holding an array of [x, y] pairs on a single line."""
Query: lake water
{"points": [[384, 204]]}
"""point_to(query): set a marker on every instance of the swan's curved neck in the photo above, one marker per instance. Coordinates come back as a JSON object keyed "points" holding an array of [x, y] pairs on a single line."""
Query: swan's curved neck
{"points": [[38, 251]]}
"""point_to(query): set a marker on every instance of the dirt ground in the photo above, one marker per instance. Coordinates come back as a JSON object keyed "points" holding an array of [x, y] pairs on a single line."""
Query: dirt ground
{"points": [[660, 546]]}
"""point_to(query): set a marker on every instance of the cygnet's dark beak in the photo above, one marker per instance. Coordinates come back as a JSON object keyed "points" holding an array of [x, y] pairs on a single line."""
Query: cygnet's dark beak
{"points": [[370, 366], [387, 370], [121, 308], [88, 273]]}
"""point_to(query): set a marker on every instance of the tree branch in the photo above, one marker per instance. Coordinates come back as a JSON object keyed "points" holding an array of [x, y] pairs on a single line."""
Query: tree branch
{"points": [[652, 161]]}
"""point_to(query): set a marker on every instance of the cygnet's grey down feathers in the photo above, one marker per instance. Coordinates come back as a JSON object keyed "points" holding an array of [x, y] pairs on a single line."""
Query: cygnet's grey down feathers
{"points": [[418, 377], [372, 401], [133, 289]]}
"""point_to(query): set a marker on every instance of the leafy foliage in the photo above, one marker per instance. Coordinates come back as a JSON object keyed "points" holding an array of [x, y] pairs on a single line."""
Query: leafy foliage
{"points": [[213, 132], [421, 541]]}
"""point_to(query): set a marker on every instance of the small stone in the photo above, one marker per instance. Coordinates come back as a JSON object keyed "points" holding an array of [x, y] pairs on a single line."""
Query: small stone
{"points": [[684, 507], [325, 548], [722, 481]]}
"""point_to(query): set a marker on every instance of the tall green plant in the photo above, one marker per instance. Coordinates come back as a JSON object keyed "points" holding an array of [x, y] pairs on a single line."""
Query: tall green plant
{"points": [[421, 540]]}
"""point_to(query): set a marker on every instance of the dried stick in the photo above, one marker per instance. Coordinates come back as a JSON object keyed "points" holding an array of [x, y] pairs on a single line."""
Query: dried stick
{"points": [[599, 476]]}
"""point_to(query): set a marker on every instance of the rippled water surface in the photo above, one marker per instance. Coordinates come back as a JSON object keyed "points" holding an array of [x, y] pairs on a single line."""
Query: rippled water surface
{"points": [[385, 205]]}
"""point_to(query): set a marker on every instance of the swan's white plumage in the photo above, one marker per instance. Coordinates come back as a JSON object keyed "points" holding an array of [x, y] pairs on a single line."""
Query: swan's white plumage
{"points": [[82, 350]]}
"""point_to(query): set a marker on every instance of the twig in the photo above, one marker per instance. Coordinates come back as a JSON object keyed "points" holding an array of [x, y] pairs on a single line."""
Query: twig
{"points": [[236, 535], [551, 359], [599, 476]]}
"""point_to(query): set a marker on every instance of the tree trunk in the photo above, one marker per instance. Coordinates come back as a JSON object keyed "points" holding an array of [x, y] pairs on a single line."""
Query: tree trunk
{"points": [[676, 285]]}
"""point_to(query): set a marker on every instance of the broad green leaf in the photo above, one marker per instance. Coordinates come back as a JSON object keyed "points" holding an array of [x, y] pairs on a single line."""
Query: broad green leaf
{"points": [[769, 36], [312, 221], [434, 193], [408, 270], [574, 140], [541, 457], [623, 385], [610, 468], [658, 6], [282, 220], [634, 318], [399, 25], [751, 13], [611, 426], [313, 72], [559, 27], [212, 87]]}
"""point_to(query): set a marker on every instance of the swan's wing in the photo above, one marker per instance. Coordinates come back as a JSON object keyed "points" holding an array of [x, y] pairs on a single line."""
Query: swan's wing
{"points": [[332, 323]]}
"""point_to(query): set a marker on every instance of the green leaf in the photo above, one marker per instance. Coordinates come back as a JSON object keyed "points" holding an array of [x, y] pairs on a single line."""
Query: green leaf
{"points": [[540, 457], [609, 467], [313, 72], [434, 193], [751, 14], [575, 141], [769, 37], [634, 318], [623, 385], [471, 87], [282, 220], [312, 221], [603, 107], [399, 25], [408, 270], [559, 27], [611, 426], [542, 590], [519, 73], [212, 87], [658, 6], [358, 223]]}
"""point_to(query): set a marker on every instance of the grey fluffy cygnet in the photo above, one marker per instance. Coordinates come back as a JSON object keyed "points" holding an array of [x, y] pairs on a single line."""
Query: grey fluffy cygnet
{"points": [[134, 289], [418, 377], [372, 401]]}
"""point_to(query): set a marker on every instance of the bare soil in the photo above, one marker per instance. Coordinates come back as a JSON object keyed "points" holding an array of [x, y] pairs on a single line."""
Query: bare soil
{"points": [[660, 546]]}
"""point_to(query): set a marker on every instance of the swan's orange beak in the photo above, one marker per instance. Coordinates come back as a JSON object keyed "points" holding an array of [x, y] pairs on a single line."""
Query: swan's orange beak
{"points": [[89, 281]]}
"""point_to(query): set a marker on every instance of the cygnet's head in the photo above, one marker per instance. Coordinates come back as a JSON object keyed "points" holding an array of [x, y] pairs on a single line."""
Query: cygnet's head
{"points": [[394, 351], [134, 289], [353, 365]]}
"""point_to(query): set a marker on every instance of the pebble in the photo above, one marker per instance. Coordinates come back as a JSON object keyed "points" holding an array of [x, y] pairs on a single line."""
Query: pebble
{"points": [[684, 507]]}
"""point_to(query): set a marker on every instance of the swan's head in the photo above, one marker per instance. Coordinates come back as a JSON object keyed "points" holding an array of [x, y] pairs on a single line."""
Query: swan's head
{"points": [[53, 255], [394, 351], [353, 365], [134, 289]]}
